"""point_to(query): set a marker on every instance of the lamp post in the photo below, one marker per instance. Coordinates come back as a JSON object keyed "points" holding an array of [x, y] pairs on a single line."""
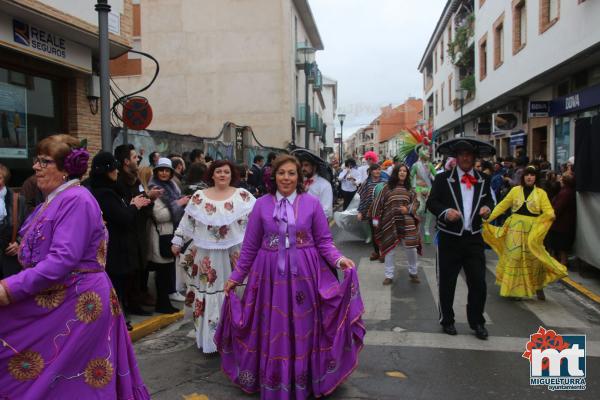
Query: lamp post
{"points": [[103, 8], [307, 54], [341, 118], [460, 95]]}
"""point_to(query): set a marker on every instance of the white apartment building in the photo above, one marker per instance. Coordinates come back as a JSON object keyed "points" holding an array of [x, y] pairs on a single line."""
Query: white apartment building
{"points": [[329, 93], [531, 69], [250, 63]]}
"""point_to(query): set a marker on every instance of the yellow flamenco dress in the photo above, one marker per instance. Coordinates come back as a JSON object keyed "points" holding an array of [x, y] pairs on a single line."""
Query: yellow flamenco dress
{"points": [[524, 265]]}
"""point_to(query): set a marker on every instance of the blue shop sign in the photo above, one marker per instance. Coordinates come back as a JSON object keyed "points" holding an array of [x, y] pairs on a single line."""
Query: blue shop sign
{"points": [[518, 138], [578, 101]]}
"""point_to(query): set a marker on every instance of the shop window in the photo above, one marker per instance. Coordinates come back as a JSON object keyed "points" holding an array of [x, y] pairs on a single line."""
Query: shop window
{"points": [[31, 108]]}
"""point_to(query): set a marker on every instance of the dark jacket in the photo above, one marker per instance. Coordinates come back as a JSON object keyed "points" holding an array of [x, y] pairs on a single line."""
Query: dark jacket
{"points": [[565, 209], [446, 194], [119, 218], [128, 187], [9, 265], [255, 179]]}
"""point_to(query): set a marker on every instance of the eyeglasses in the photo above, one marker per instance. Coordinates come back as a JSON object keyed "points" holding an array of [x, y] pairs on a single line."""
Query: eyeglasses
{"points": [[44, 162]]}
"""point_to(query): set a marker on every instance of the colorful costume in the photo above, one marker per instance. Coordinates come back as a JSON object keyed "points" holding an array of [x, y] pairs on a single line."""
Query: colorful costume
{"points": [[393, 227], [297, 331], [216, 229], [524, 265], [416, 153], [63, 335]]}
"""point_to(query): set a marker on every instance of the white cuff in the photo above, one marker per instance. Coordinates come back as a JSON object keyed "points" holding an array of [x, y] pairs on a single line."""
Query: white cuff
{"points": [[177, 241], [443, 214]]}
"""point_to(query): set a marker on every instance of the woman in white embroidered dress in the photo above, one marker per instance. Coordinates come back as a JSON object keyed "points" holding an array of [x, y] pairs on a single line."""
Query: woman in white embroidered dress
{"points": [[211, 232]]}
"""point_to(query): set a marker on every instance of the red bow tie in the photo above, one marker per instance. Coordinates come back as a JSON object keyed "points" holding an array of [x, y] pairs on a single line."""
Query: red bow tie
{"points": [[468, 180], [308, 182]]}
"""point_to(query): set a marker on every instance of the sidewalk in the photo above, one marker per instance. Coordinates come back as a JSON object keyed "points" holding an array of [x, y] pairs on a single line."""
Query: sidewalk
{"points": [[585, 279]]}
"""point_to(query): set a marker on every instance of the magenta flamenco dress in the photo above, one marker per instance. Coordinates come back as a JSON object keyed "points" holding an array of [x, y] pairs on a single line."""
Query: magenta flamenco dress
{"points": [[63, 335], [297, 331]]}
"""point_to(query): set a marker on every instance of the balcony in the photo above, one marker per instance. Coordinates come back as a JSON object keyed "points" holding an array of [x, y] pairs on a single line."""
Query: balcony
{"points": [[314, 123], [318, 80], [301, 114]]}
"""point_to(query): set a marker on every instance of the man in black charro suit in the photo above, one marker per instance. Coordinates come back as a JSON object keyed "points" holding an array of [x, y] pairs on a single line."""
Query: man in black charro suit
{"points": [[459, 199]]}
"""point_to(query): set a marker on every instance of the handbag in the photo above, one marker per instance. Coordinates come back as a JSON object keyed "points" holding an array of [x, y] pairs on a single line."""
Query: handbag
{"points": [[164, 243]]}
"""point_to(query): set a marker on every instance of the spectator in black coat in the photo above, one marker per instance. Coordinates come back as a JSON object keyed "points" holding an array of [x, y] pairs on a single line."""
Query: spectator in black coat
{"points": [[119, 217], [255, 181]]}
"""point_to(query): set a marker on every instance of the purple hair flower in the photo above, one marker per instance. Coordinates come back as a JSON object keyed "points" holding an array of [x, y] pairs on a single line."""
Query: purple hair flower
{"points": [[76, 162]]}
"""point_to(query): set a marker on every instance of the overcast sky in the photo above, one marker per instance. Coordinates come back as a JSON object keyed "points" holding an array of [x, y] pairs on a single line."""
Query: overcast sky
{"points": [[373, 49]]}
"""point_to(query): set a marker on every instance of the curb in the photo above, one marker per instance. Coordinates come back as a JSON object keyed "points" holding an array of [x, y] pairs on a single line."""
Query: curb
{"points": [[578, 287], [153, 324]]}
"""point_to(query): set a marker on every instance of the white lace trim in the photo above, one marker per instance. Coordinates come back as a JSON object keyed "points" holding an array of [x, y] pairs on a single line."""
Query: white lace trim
{"points": [[221, 216]]}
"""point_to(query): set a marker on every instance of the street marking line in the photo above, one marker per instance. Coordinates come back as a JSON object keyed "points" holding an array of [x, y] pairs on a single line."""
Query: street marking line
{"points": [[463, 341], [581, 289], [376, 298], [153, 324], [460, 295]]}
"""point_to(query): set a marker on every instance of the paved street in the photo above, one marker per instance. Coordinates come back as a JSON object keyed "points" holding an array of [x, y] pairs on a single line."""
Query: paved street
{"points": [[406, 356]]}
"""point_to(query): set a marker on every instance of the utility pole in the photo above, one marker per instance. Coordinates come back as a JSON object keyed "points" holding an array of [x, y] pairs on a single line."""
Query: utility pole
{"points": [[103, 8]]}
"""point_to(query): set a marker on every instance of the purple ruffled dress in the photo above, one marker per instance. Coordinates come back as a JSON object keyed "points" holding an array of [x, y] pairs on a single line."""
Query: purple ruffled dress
{"points": [[297, 331], [63, 335]]}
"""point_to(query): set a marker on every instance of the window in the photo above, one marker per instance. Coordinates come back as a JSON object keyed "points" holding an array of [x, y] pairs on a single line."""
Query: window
{"points": [[449, 32], [435, 67], [499, 42], [483, 57], [549, 14], [442, 51], [519, 25], [450, 90], [436, 102], [32, 107], [442, 96]]}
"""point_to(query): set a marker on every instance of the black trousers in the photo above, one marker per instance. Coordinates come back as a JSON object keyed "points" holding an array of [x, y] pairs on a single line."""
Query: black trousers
{"points": [[163, 279], [375, 247], [456, 253], [347, 196]]}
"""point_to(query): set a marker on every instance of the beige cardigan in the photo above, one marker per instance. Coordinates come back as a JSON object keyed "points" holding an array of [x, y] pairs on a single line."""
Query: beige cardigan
{"points": [[164, 223]]}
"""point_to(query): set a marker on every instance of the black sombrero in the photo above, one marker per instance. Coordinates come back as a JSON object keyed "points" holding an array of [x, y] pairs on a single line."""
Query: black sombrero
{"points": [[453, 146]]}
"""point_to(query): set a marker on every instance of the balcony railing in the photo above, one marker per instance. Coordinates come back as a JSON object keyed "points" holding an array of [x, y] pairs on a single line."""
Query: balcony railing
{"points": [[301, 114], [314, 123], [318, 82]]}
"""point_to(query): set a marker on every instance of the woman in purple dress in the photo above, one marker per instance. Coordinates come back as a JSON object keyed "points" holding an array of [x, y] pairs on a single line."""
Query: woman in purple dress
{"points": [[297, 331], [62, 332]]}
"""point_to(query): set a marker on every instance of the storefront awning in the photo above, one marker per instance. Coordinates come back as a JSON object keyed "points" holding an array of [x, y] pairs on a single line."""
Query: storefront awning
{"points": [[63, 28]]}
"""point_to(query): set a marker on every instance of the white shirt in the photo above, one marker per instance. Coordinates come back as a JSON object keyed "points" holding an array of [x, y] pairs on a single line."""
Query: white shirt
{"points": [[321, 189], [363, 174], [467, 198], [349, 185], [291, 198]]}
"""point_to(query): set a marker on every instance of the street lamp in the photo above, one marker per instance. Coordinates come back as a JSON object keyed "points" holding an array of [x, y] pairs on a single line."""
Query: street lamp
{"points": [[341, 118], [306, 53], [103, 8], [460, 95]]}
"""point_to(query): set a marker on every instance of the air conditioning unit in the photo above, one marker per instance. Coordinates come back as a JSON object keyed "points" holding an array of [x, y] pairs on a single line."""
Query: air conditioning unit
{"points": [[505, 121]]}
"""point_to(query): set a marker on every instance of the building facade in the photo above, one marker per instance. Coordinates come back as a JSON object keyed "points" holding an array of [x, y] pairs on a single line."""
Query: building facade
{"points": [[48, 78], [524, 67], [250, 63], [394, 120]]}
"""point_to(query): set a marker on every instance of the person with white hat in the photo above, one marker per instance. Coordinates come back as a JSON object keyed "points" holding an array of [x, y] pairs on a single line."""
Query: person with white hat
{"points": [[167, 212]]}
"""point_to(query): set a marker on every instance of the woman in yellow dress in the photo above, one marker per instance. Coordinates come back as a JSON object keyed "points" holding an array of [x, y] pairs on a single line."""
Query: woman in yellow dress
{"points": [[524, 266]]}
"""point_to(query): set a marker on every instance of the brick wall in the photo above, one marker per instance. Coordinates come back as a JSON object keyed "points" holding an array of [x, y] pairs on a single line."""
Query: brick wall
{"points": [[82, 123]]}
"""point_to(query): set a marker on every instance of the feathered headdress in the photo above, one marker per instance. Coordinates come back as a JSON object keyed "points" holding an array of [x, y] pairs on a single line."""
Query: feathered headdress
{"points": [[412, 141]]}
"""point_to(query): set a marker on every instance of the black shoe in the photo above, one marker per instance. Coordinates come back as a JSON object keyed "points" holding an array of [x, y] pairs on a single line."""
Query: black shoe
{"points": [[138, 311], [129, 326], [449, 329], [481, 332]]}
